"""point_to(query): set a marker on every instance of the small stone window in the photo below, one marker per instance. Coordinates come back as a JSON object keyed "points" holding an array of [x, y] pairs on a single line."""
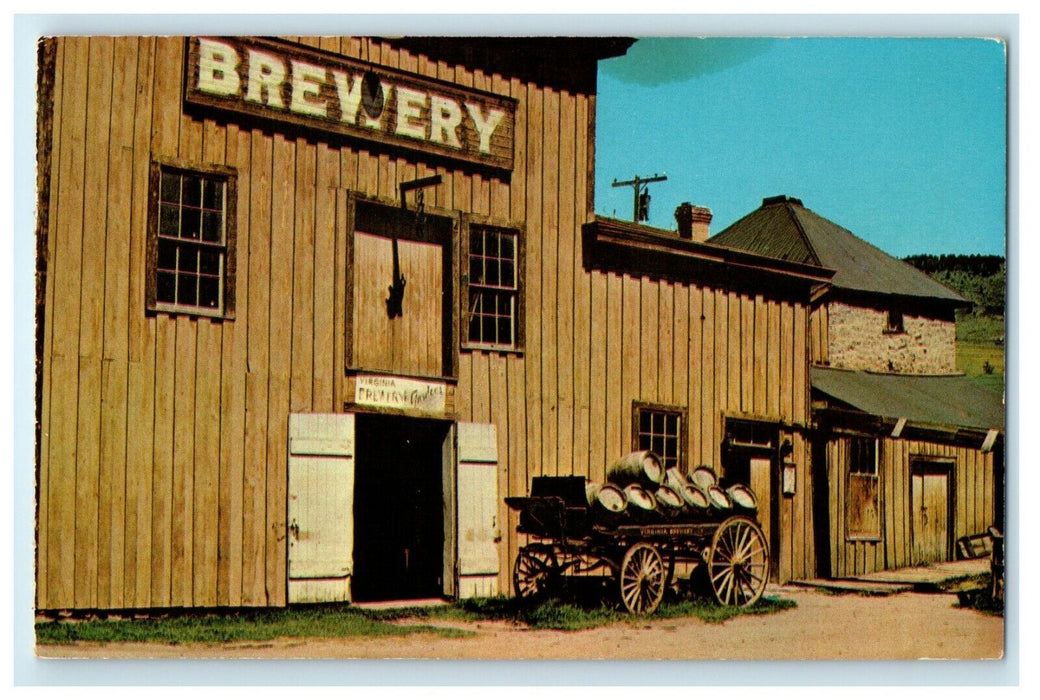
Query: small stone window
{"points": [[894, 322]]}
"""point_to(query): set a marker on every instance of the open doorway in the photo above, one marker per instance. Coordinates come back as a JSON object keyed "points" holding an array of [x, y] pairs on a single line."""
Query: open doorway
{"points": [[398, 508]]}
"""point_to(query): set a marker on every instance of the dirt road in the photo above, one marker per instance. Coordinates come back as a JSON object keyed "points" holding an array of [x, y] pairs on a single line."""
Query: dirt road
{"points": [[823, 626]]}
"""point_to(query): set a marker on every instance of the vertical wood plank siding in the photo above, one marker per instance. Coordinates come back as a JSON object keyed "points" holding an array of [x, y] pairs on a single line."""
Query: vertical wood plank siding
{"points": [[972, 507], [163, 459]]}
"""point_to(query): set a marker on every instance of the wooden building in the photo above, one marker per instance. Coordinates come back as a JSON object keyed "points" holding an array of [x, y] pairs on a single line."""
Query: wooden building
{"points": [[907, 453], [311, 308]]}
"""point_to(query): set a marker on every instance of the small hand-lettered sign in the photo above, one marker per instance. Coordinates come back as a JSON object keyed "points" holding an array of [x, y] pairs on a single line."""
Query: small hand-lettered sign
{"points": [[397, 392], [285, 82]]}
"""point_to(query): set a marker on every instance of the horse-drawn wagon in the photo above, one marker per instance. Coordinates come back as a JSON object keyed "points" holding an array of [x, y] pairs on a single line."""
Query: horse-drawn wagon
{"points": [[637, 534]]}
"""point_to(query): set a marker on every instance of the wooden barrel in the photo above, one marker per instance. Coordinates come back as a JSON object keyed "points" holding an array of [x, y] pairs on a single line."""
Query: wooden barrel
{"points": [[641, 503], [591, 490], [643, 468], [669, 503], [695, 498], [609, 505], [720, 500], [743, 497], [674, 479], [704, 477]]}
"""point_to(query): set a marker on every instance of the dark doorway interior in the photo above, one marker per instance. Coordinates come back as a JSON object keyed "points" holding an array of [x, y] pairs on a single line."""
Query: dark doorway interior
{"points": [[398, 512]]}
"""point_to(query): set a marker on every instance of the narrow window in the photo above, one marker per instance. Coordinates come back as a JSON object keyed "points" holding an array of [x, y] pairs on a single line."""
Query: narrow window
{"points": [[894, 322], [862, 506], [660, 429], [191, 241], [493, 292]]}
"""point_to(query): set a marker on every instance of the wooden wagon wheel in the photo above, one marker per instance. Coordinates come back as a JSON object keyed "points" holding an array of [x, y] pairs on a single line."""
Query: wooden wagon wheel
{"points": [[535, 572], [642, 579], [738, 565]]}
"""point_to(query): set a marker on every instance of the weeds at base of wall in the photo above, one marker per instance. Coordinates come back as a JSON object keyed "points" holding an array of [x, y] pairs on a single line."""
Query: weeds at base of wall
{"points": [[338, 621]]}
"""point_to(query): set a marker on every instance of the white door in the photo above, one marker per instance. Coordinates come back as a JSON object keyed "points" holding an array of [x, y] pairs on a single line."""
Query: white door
{"points": [[477, 499], [321, 506]]}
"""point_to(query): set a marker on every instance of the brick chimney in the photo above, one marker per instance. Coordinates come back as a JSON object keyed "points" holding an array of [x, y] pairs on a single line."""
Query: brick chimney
{"points": [[694, 222]]}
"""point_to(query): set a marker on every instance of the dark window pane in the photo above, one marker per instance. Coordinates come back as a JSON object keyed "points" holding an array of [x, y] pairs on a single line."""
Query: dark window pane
{"points": [[491, 271], [167, 255], [209, 292], [476, 242], [487, 329], [170, 188], [212, 226], [189, 259], [165, 287], [213, 194], [187, 289], [209, 262], [192, 191], [169, 219], [505, 330], [506, 249], [190, 223], [645, 418], [508, 275], [476, 270]]}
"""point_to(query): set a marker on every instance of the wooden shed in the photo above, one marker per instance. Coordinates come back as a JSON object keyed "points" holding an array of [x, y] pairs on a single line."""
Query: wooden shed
{"points": [[907, 453], [309, 309]]}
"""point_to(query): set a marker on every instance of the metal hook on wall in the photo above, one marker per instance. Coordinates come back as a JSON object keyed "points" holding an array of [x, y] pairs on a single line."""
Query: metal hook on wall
{"points": [[395, 300]]}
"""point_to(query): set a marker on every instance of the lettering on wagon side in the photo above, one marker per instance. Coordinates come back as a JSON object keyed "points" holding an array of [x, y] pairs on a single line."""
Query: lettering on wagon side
{"points": [[284, 82]]}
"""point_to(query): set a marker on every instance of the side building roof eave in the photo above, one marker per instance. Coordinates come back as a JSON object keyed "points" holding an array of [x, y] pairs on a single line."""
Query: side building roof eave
{"points": [[623, 246]]}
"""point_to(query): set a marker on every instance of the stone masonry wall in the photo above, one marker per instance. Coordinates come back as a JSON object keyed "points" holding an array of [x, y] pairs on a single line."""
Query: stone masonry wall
{"points": [[858, 341]]}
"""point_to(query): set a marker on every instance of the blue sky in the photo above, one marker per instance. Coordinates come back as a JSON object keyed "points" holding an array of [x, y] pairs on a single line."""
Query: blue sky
{"points": [[901, 141]]}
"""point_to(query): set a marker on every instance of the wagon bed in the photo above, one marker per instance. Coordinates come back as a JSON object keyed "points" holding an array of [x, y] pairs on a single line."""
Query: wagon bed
{"points": [[640, 557]]}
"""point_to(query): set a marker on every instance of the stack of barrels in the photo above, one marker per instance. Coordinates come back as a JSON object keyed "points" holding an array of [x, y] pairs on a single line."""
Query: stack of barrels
{"points": [[639, 489]]}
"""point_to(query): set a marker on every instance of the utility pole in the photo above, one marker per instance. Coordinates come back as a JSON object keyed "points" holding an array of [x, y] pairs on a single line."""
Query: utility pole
{"points": [[640, 196]]}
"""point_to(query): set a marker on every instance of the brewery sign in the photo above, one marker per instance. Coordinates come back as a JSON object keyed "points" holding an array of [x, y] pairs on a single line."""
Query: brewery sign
{"points": [[397, 392], [274, 80]]}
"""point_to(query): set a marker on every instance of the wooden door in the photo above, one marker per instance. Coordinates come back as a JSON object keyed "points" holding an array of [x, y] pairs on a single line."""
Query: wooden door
{"points": [[760, 474], [321, 496], [930, 512], [411, 343], [477, 491]]}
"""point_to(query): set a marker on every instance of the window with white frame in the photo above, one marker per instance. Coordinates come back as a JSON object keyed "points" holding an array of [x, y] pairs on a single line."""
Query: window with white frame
{"points": [[191, 239], [660, 429], [493, 287]]}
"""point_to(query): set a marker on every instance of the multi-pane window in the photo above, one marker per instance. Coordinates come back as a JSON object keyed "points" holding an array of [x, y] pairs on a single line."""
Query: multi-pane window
{"points": [[192, 241], [863, 507], [493, 283], [660, 429]]}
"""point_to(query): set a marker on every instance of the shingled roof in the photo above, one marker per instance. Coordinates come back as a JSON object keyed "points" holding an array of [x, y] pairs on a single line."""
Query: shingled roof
{"points": [[783, 228]]}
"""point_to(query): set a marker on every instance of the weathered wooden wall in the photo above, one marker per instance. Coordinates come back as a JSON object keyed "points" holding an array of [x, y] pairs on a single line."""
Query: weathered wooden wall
{"points": [[163, 449], [972, 492]]}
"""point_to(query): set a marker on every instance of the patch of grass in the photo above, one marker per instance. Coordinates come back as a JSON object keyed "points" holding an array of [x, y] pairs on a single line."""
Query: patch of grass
{"points": [[573, 613], [981, 600], [974, 359], [710, 611], [223, 628], [568, 613]]}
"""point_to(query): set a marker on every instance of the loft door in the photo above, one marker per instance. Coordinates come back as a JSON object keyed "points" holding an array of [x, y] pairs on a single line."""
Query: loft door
{"points": [[401, 269]]}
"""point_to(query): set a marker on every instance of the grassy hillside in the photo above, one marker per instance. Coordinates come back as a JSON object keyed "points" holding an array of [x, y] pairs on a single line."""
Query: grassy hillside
{"points": [[980, 332]]}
